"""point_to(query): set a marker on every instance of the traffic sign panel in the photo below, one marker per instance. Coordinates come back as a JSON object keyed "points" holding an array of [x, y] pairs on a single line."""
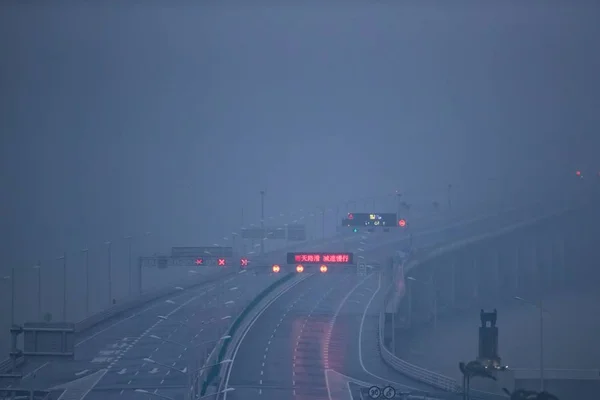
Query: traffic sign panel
{"points": [[389, 392], [374, 392]]}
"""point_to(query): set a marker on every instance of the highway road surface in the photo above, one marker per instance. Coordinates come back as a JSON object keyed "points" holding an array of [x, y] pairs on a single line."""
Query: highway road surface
{"points": [[170, 332], [312, 341], [320, 337], [301, 326]]}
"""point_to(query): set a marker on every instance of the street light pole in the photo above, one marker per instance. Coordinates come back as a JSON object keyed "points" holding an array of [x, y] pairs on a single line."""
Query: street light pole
{"points": [[129, 240], [323, 222], [109, 244], [262, 222], [12, 296], [86, 267], [541, 307], [38, 266], [64, 267]]}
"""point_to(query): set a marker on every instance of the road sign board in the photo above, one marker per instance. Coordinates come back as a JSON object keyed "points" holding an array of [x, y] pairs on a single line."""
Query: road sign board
{"points": [[389, 392], [387, 220], [202, 251], [51, 339], [271, 232], [296, 232], [276, 233], [252, 233], [374, 392], [174, 262]]}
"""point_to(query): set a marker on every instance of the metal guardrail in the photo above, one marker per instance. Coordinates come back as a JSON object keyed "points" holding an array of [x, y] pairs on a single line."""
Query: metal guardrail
{"points": [[29, 394], [419, 373]]}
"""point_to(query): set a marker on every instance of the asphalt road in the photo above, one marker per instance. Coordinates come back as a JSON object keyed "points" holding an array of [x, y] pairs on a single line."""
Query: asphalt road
{"points": [[320, 336], [171, 332], [308, 314]]}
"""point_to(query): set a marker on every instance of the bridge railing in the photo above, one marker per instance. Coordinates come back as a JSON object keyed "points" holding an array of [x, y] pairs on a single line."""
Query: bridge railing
{"points": [[416, 372]]}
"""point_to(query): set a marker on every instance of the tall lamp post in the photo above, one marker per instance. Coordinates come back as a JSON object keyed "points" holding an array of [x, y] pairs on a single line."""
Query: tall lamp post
{"points": [[262, 222], [64, 271], [540, 306], [109, 244], [430, 285], [86, 267], [130, 280]]}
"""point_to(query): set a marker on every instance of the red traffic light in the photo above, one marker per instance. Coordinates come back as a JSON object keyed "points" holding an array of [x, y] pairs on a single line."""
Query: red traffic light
{"points": [[199, 261], [221, 262], [244, 262], [578, 173], [402, 223]]}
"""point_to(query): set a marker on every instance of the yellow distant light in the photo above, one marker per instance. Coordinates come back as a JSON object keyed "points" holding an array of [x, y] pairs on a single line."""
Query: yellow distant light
{"points": [[299, 268], [276, 268]]}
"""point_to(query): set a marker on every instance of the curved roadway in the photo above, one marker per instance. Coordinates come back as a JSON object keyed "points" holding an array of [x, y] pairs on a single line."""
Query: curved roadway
{"points": [[320, 336], [171, 332], [312, 328]]}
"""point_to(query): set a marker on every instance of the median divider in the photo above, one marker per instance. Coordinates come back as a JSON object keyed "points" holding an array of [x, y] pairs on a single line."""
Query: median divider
{"points": [[215, 371], [421, 374]]}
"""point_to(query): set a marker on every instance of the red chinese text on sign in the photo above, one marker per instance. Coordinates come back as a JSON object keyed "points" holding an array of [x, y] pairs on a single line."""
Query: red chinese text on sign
{"points": [[318, 258]]}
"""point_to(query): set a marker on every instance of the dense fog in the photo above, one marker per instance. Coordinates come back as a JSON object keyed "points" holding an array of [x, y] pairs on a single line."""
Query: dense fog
{"points": [[164, 122]]}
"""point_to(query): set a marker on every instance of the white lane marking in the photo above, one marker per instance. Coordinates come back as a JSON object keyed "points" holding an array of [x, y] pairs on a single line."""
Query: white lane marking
{"points": [[336, 314], [32, 373], [256, 317], [360, 332], [119, 322], [121, 372], [153, 370], [85, 371]]}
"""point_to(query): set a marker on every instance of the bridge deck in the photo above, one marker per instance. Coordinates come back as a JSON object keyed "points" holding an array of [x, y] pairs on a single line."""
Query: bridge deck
{"points": [[571, 333]]}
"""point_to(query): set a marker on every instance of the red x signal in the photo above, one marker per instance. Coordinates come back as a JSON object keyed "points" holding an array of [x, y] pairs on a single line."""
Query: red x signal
{"points": [[221, 262], [244, 262], [199, 261]]}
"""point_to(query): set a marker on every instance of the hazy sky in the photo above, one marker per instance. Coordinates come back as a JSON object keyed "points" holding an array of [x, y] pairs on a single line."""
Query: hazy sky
{"points": [[122, 117]]}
